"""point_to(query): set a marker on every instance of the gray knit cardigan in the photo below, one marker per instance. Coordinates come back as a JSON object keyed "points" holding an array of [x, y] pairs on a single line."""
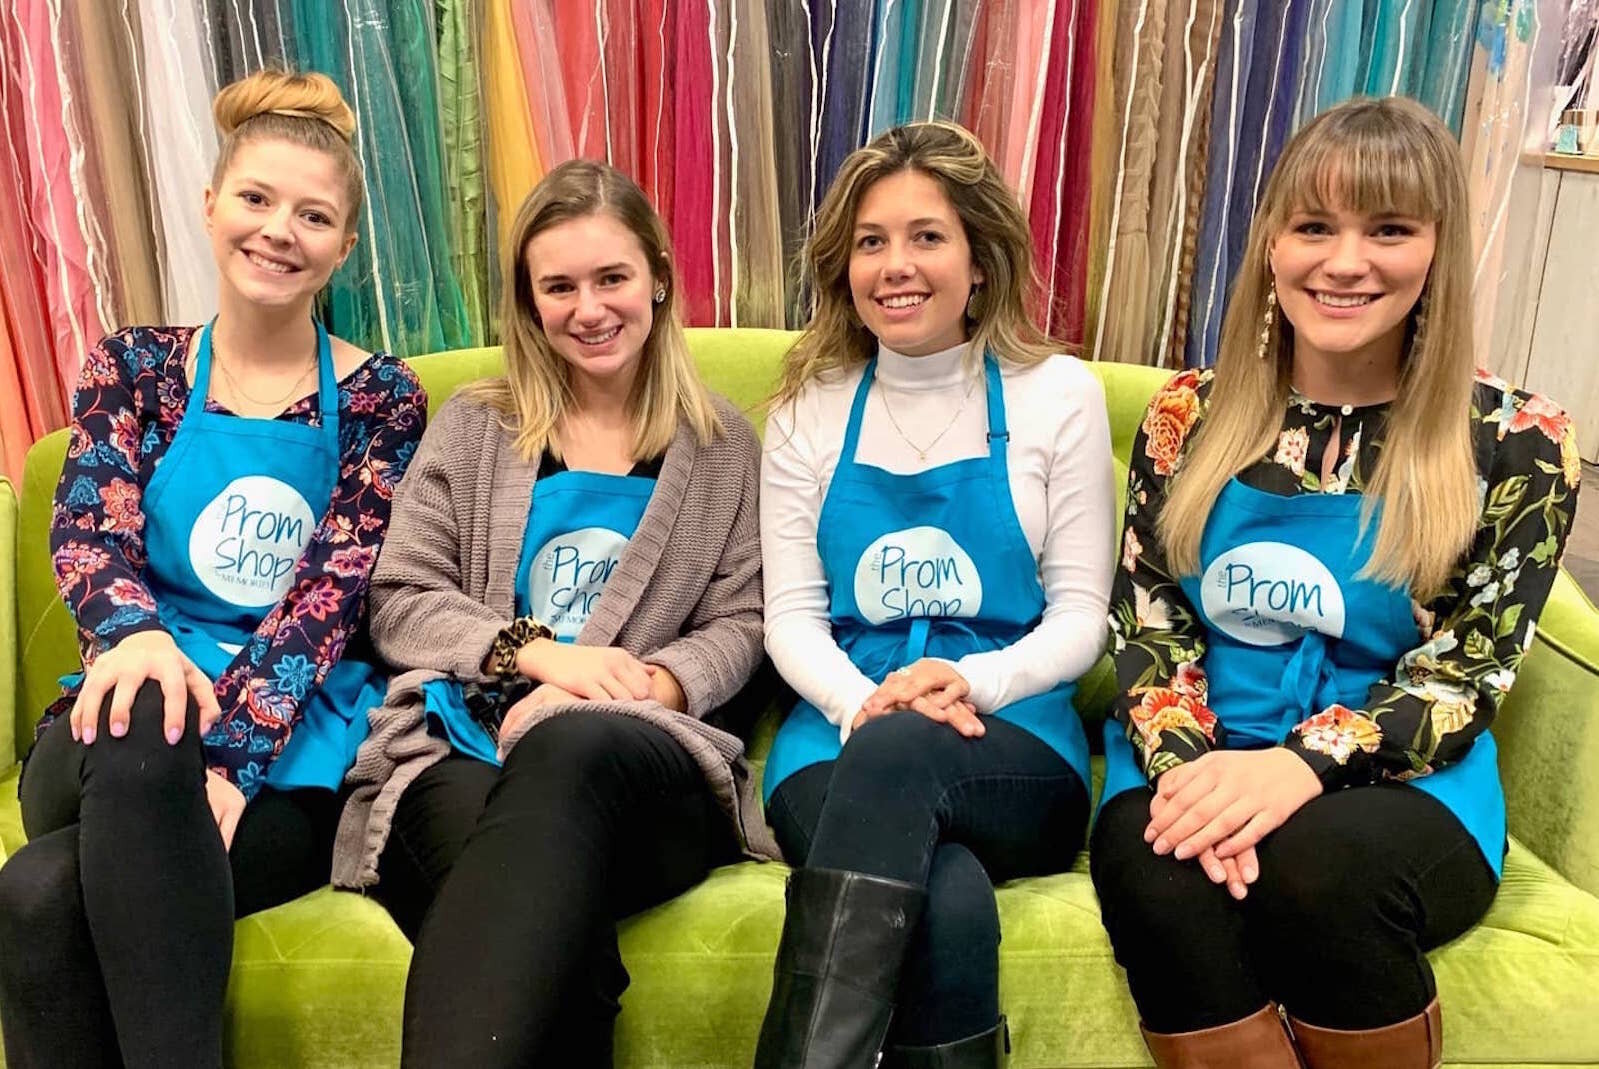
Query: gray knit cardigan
{"points": [[685, 595]]}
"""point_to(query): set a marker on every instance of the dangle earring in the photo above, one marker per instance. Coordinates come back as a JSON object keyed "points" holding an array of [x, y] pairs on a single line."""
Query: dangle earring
{"points": [[1268, 320], [974, 303], [1418, 324], [660, 294]]}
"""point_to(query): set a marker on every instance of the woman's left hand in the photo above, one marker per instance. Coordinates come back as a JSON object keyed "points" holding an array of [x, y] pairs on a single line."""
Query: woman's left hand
{"points": [[930, 687], [1227, 800]]}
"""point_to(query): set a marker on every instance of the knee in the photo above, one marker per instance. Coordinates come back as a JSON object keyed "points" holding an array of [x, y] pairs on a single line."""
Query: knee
{"points": [[1137, 888], [1319, 905], [40, 898], [897, 750], [572, 750], [142, 760]]}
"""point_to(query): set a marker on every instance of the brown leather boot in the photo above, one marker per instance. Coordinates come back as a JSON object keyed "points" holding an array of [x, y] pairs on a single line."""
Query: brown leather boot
{"points": [[1259, 1041], [1414, 1043]]}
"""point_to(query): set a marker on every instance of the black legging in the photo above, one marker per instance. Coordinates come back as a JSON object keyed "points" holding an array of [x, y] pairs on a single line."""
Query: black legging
{"points": [[116, 919], [1353, 890], [511, 882], [911, 799]]}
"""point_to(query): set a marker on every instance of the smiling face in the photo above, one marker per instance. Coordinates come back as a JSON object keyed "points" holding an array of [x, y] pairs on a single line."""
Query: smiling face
{"points": [[592, 293], [1348, 280], [278, 222], [910, 265]]}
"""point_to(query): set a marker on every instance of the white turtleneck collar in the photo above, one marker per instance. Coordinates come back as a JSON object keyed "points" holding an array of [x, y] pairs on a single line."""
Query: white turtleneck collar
{"points": [[935, 371]]}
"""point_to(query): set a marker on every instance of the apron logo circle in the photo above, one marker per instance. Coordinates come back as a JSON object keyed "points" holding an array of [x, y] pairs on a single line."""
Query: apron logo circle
{"points": [[568, 574], [1268, 593], [245, 544], [917, 572]]}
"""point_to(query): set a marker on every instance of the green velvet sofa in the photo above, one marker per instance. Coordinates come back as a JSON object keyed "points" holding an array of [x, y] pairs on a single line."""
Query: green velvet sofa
{"points": [[319, 981]]}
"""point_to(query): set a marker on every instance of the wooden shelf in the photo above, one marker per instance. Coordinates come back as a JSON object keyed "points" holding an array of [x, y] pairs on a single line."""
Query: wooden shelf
{"points": [[1559, 161]]}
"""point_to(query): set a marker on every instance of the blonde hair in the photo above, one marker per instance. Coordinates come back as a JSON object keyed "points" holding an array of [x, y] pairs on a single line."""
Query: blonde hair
{"points": [[996, 230], [1369, 156], [302, 109], [536, 387]]}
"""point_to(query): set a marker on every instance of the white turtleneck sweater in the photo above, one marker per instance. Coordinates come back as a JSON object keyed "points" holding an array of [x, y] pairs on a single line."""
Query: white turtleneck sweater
{"points": [[1061, 479]]}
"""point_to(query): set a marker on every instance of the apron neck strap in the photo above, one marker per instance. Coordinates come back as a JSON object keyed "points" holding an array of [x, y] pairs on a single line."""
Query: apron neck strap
{"points": [[327, 393]]}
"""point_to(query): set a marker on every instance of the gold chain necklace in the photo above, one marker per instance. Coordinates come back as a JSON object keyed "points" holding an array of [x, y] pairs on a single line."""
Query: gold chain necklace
{"points": [[922, 450], [278, 402]]}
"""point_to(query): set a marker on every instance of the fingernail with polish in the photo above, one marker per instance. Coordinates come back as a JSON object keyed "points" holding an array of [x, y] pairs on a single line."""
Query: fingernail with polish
{"points": [[118, 729], [1161, 846], [1184, 852], [88, 735], [174, 734]]}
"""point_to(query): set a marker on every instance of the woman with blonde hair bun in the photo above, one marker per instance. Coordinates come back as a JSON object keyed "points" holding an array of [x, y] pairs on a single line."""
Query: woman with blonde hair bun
{"points": [[1337, 546], [937, 514], [224, 496]]}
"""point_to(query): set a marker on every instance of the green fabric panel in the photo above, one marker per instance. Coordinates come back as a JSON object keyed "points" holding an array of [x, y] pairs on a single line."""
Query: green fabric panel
{"points": [[44, 627], [8, 622], [441, 374]]}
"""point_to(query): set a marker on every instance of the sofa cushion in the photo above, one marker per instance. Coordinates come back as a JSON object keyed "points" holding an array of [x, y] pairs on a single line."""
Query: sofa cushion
{"points": [[324, 976]]}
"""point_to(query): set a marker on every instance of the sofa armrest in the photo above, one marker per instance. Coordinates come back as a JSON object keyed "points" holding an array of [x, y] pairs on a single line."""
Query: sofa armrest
{"points": [[1548, 735], [10, 651]]}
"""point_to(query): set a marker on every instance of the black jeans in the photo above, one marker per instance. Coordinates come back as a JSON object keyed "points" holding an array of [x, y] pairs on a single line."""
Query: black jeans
{"points": [[1353, 890], [910, 799], [510, 881], [116, 919]]}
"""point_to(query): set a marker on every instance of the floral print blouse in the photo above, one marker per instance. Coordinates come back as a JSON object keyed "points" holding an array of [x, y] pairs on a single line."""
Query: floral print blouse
{"points": [[1440, 695], [130, 399]]}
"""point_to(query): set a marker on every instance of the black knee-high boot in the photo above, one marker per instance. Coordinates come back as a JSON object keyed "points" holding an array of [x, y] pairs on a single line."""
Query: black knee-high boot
{"points": [[844, 939], [986, 1050]]}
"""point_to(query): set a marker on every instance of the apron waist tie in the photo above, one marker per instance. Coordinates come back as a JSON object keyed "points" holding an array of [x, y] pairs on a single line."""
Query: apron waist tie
{"points": [[1307, 682]]}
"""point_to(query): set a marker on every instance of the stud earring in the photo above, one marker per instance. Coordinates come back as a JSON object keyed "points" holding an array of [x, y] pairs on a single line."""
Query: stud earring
{"points": [[1267, 321], [660, 294]]}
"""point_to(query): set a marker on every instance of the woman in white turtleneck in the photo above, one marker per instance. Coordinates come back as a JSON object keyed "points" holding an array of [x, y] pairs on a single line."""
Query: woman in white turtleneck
{"points": [[937, 528]]}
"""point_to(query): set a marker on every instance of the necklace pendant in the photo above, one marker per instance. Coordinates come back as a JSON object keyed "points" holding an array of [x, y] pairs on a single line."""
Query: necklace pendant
{"points": [[921, 454]]}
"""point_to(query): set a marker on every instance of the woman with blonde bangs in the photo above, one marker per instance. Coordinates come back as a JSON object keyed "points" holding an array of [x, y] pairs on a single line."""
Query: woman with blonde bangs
{"points": [[225, 492], [937, 517], [1336, 549], [572, 590]]}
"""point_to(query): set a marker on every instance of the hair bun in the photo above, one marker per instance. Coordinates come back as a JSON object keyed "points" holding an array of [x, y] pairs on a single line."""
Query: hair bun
{"points": [[310, 95]]}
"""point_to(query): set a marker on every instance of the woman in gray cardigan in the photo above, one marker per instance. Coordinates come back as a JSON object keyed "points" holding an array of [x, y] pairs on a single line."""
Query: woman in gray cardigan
{"points": [[571, 582]]}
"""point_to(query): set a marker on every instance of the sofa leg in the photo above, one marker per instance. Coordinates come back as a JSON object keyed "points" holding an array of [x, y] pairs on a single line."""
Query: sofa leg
{"points": [[1414, 1043], [1259, 1041], [845, 935], [986, 1050]]}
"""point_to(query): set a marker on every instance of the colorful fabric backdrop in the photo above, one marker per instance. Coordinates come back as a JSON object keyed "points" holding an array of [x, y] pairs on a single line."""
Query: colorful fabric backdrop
{"points": [[1137, 134]]}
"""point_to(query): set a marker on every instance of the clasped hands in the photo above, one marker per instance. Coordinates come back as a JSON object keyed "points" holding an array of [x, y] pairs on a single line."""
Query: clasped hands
{"points": [[566, 672], [930, 687], [1215, 809]]}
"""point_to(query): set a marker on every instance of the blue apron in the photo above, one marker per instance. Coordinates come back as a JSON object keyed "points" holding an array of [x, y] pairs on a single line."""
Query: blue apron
{"points": [[578, 524], [1292, 628], [229, 512], [933, 564]]}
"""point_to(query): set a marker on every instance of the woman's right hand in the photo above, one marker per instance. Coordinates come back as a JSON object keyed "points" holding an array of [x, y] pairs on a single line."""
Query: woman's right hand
{"points": [[124, 668], [597, 673]]}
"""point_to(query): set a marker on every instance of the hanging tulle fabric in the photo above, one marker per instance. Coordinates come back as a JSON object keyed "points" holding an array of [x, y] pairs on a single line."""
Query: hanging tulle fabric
{"points": [[1059, 215], [657, 78], [396, 290], [174, 91], [103, 51], [32, 394], [793, 67], [1251, 119], [514, 165], [841, 35], [1513, 66], [66, 238], [696, 190], [242, 36], [990, 88], [465, 180], [755, 246]]}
